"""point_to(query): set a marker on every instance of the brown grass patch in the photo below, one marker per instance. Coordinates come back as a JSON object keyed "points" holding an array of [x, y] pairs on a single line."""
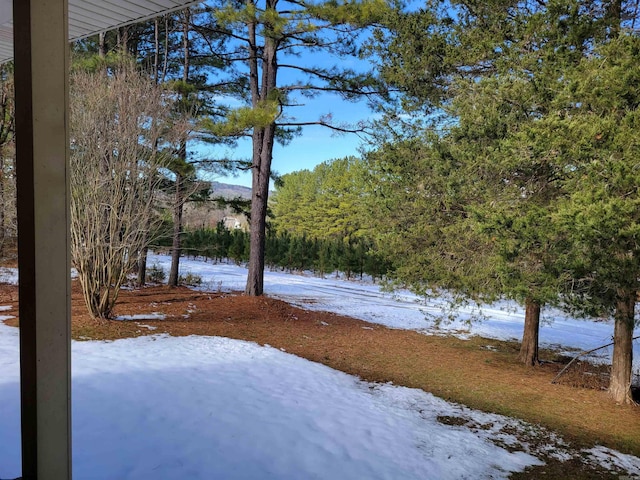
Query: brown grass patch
{"points": [[480, 373]]}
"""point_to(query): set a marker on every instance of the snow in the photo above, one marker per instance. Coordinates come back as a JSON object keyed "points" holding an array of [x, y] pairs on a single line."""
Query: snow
{"points": [[205, 407], [607, 457], [161, 407], [148, 327], [9, 275], [402, 309], [195, 407], [142, 316]]}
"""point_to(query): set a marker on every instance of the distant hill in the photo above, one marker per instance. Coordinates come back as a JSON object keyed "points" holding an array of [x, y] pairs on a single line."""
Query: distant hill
{"points": [[227, 190]]}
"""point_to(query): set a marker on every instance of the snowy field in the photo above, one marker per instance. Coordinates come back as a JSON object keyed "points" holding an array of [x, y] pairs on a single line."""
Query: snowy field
{"points": [[402, 309], [207, 407]]}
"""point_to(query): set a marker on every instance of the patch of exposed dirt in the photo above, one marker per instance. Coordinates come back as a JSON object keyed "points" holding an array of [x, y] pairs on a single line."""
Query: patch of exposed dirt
{"points": [[452, 421], [464, 371]]}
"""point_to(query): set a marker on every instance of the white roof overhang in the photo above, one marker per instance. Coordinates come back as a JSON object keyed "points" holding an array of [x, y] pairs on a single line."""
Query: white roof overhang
{"points": [[88, 17]]}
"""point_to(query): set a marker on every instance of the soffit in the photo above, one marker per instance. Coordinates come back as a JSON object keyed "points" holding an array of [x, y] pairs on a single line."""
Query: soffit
{"points": [[88, 17]]}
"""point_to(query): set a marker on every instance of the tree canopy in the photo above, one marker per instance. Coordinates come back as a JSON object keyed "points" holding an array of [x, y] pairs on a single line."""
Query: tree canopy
{"points": [[529, 109]]}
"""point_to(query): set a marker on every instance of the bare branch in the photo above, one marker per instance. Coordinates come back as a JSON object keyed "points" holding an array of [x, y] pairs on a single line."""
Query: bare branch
{"points": [[342, 129], [116, 124]]}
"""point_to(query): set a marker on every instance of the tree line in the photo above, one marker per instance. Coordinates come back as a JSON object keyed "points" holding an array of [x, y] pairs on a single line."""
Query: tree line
{"points": [[354, 258]]}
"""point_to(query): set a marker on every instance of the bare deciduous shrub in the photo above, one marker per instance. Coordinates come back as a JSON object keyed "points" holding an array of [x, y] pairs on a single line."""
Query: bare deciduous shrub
{"points": [[118, 118]]}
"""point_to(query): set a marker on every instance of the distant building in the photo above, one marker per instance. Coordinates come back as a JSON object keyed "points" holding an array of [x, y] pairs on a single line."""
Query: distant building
{"points": [[231, 223]]}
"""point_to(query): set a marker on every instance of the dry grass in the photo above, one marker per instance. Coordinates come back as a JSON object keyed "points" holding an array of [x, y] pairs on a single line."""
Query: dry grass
{"points": [[480, 373]]}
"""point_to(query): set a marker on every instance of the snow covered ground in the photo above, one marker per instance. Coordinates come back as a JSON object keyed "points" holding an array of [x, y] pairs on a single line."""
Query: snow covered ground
{"points": [[402, 309], [207, 407], [195, 407]]}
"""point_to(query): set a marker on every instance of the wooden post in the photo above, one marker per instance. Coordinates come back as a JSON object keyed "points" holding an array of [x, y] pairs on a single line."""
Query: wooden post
{"points": [[42, 144]]}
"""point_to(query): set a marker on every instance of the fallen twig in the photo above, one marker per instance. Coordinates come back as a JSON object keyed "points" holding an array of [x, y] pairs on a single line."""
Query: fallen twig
{"points": [[581, 354]]}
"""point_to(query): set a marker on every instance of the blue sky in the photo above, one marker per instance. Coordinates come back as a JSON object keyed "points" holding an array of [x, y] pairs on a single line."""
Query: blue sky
{"points": [[315, 145]]}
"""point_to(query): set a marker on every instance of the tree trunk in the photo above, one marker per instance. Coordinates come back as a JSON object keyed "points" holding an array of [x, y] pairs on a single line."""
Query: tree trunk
{"points": [[529, 347], [182, 153], [102, 46], [262, 138], [176, 249], [142, 267], [123, 39], [156, 49], [165, 54], [186, 63], [622, 362], [257, 232], [613, 17], [3, 206]]}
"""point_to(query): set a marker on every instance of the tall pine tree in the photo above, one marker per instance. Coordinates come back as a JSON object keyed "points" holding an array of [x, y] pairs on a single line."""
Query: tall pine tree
{"points": [[270, 37]]}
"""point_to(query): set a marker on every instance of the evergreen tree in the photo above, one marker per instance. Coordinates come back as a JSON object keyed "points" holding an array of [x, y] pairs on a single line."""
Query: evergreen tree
{"points": [[182, 56], [494, 70], [196, 94], [595, 135], [424, 194], [325, 203], [269, 38]]}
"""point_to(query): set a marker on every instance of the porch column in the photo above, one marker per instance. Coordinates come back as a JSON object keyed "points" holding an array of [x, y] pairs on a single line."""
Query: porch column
{"points": [[42, 143]]}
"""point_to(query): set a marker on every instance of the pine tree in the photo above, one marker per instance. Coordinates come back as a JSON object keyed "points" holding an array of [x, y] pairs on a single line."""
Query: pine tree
{"points": [[270, 36], [596, 136]]}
